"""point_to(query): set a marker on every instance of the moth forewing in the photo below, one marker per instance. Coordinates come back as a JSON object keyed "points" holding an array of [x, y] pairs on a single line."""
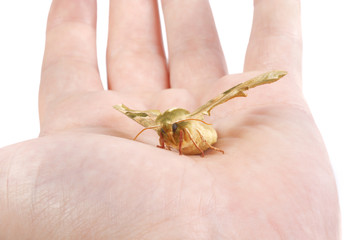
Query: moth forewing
{"points": [[238, 91], [145, 118]]}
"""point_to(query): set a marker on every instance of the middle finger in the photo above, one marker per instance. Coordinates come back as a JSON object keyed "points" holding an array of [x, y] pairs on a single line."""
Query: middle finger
{"points": [[135, 55]]}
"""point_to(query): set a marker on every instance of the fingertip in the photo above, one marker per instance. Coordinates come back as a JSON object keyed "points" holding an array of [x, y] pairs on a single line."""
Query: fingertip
{"points": [[82, 11]]}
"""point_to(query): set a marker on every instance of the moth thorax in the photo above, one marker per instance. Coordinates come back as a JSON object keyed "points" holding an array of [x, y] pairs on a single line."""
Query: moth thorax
{"points": [[172, 115]]}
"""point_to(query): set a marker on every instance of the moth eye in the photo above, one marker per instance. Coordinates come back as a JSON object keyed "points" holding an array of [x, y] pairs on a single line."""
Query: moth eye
{"points": [[174, 127], [163, 132]]}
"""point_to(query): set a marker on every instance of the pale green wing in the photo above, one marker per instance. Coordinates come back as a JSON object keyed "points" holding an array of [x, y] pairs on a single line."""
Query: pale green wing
{"points": [[237, 91], [145, 118]]}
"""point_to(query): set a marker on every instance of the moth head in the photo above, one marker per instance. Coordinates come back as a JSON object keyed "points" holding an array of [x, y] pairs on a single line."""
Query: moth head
{"points": [[169, 130], [165, 130]]}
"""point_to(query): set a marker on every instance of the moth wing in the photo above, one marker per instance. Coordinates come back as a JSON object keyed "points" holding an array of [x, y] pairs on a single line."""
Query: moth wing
{"points": [[237, 91], [145, 118]]}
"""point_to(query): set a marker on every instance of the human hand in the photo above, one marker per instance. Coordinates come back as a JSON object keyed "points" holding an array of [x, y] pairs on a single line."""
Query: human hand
{"points": [[84, 178]]}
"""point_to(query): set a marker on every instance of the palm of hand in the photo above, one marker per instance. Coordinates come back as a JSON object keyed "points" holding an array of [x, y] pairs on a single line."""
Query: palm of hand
{"points": [[99, 165], [94, 182]]}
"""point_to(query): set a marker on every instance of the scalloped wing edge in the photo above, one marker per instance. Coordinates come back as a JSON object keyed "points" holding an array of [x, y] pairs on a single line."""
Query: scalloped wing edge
{"points": [[237, 91], [144, 118]]}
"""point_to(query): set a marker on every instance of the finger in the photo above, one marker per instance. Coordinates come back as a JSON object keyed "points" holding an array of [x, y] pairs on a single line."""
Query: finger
{"points": [[135, 54], [70, 63], [195, 54], [275, 41]]}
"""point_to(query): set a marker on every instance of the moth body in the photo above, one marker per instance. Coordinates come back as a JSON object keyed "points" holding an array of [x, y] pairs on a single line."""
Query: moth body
{"points": [[203, 135], [188, 136]]}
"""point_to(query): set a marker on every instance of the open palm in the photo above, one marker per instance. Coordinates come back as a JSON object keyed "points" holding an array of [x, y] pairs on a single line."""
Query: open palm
{"points": [[84, 178]]}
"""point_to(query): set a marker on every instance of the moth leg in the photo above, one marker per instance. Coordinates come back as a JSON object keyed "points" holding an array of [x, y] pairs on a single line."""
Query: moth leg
{"points": [[202, 152], [162, 143], [181, 139], [212, 147]]}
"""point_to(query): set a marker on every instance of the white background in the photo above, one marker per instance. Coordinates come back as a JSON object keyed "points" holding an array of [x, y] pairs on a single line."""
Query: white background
{"points": [[331, 76]]}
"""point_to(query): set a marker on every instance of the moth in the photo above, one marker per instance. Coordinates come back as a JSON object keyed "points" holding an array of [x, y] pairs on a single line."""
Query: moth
{"points": [[185, 131]]}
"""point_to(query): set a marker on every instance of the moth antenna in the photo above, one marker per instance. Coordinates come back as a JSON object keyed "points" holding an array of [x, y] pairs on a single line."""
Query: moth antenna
{"points": [[144, 130], [194, 120]]}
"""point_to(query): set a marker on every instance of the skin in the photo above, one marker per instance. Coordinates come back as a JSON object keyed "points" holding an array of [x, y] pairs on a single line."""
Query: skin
{"points": [[84, 178]]}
